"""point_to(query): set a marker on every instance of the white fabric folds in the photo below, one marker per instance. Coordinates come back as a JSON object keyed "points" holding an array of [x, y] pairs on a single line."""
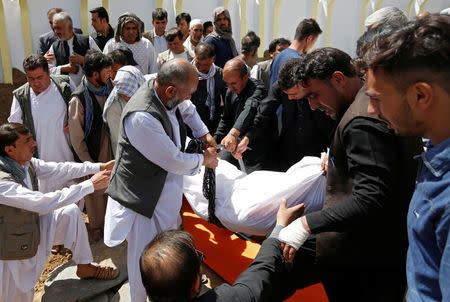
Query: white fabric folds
{"points": [[249, 203]]}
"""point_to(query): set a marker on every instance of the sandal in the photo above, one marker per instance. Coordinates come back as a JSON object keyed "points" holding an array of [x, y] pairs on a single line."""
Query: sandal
{"points": [[104, 273]]}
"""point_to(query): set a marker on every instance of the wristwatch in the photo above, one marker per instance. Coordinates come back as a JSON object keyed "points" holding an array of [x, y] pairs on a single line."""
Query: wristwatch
{"points": [[234, 134]]}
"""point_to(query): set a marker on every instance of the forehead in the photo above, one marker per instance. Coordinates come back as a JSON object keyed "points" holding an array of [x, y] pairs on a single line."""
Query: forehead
{"points": [[377, 82], [36, 72], [160, 20], [221, 16], [197, 27], [232, 76], [94, 15], [130, 25], [314, 85]]}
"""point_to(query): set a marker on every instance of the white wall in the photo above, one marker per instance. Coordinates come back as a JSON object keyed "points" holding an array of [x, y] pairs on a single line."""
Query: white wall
{"points": [[341, 25]]}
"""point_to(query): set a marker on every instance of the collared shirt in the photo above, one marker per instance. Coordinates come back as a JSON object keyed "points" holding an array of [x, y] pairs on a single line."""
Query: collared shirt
{"points": [[428, 261], [282, 57], [143, 53], [160, 44], [76, 78], [100, 39], [49, 113]]}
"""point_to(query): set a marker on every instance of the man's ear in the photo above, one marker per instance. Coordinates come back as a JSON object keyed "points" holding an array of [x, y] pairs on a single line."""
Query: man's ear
{"points": [[171, 91], [338, 79], [9, 149], [420, 96], [195, 289]]}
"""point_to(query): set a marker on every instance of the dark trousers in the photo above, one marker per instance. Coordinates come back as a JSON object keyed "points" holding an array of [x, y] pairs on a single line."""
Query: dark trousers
{"points": [[344, 284]]}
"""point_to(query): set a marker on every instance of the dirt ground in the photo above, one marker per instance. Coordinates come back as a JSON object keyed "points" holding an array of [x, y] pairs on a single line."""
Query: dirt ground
{"points": [[64, 255]]}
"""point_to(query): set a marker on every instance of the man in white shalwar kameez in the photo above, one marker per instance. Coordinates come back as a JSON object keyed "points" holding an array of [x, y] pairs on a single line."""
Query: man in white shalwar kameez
{"points": [[48, 114], [60, 222], [154, 141]]}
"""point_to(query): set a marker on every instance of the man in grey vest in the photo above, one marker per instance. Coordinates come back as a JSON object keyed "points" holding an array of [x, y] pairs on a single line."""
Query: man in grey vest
{"points": [[41, 105], [32, 221], [145, 191], [359, 248]]}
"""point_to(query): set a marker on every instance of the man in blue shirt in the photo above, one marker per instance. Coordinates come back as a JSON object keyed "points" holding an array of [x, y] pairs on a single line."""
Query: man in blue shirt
{"points": [[408, 85], [306, 35]]}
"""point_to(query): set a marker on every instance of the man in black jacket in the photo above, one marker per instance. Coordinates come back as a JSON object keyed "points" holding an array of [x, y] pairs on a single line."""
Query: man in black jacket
{"points": [[241, 103], [171, 268], [359, 249]]}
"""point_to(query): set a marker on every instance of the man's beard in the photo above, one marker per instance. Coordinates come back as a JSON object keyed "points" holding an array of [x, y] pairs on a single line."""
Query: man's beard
{"points": [[172, 103]]}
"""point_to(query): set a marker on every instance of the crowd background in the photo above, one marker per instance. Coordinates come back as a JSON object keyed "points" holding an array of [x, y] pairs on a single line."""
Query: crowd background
{"points": [[342, 21]]}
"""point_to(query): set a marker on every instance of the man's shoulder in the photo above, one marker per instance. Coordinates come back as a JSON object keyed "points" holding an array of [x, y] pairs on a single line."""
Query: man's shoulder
{"points": [[47, 35], [77, 30], [149, 34]]}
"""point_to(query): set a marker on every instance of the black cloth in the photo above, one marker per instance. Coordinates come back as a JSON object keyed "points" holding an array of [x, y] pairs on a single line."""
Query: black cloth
{"points": [[80, 46], [239, 112], [261, 281], [198, 98], [46, 40], [304, 132], [101, 39]]}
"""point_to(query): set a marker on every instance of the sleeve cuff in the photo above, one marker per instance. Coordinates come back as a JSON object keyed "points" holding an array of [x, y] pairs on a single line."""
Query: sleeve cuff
{"points": [[87, 187]]}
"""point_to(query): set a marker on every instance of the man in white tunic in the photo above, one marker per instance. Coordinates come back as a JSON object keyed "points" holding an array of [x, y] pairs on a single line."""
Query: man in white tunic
{"points": [[55, 219], [146, 184], [41, 104], [66, 55], [195, 34], [129, 33]]}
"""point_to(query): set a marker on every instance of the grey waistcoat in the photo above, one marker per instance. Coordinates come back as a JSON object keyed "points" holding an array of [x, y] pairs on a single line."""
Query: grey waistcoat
{"points": [[136, 182], [19, 229]]}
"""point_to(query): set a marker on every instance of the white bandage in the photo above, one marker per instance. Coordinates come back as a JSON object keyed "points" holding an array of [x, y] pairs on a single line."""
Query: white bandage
{"points": [[294, 234]]}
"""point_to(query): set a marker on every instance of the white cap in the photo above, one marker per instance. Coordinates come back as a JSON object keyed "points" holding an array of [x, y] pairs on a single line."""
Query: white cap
{"points": [[195, 22]]}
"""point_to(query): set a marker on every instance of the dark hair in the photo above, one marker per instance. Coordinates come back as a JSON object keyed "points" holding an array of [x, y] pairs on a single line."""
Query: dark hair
{"points": [[204, 51], [169, 266], [55, 10], [419, 51], [159, 14], [206, 25], [250, 42], [274, 43], [306, 28], [9, 134], [172, 33], [101, 12], [373, 35], [319, 64], [182, 16], [35, 61], [95, 61], [123, 56]]}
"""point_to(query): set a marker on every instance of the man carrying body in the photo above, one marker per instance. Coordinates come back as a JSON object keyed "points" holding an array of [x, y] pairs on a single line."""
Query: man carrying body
{"points": [[306, 35], [407, 82], [195, 34], [156, 35], [174, 38], [103, 30], [87, 129], [359, 249], [222, 37], [46, 40], [171, 268], [129, 34], [211, 89], [145, 187], [183, 21], [41, 104], [66, 55], [35, 220], [241, 103], [303, 131], [261, 71]]}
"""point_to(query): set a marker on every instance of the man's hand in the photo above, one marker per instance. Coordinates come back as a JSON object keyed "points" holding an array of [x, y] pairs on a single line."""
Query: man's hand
{"points": [[324, 165], [210, 158], [50, 57], [229, 142], [241, 148], [293, 236], [100, 180], [76, 59], [209, 141], [107, 166], [70, 68], [286, 215]]}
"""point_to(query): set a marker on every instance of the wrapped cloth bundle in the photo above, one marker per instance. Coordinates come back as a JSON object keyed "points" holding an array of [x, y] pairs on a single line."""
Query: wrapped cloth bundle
{"points": [[249, 203]]}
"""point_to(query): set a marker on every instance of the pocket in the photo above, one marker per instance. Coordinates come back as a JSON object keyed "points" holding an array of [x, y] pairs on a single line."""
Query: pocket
{"points": [[19, 241]]}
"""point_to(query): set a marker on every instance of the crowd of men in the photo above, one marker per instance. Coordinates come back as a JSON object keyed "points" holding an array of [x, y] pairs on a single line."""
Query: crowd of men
{"points": [[120, 103]]}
